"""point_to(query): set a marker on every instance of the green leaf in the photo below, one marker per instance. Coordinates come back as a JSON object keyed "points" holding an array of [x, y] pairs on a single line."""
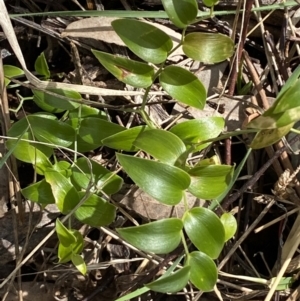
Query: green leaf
{"points": [[183, 86], [11, 71], [160, 237], [104, 179], [208, 182], [163, 182], [124, 140], [54, 104], [198, 130], [65, 236], [205, 230], [87, 111], [181, 13], [79, 263], [40, 162], [268, 137], [65, 252], [41, 66], [93, 130], [146, 41], [290, 82], [23, 150], [208, 48], [210, 3], [95, 211], [65, 195], [39, 192], [172, 283], [63, 167], [203, 273], [161, 144], [51, 131], [229, 224], [136, 74]]}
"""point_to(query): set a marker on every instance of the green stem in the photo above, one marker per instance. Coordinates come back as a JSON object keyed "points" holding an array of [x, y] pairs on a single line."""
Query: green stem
{"points": [[295, 131], [186, 249]]}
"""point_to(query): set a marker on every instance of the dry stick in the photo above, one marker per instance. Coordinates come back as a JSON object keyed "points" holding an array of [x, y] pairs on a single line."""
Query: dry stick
{"points": [[14, 192], [236, 63], [256, 176]]}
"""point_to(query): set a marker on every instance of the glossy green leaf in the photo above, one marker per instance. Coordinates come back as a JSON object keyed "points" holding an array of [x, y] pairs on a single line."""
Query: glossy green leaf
{"points": [[26, 151], [183, 86], [41, 66], [172, 283], [93, 130], [161, 144], [146, 41], [11, 71], [65, 195], [95, 211], [208, 48], [181, 13], [136, 74], [79, 263], [87, 111], [65, 252], [289, 100], [104, 179], [197, 130], [23, 150], [55, 104], [51, 131], [39, 192], [208, 182], [203, 273], [268, 137], [163, 182], [205, 230], [65, 236], [160, 237], [270, 120], [229, 224], [210, 3], [290, 81], [124, 140], [63, 167]]}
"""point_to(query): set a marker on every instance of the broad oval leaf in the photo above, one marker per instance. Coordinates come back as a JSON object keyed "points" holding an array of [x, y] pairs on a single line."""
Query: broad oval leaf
{"points": [[41, 66], [79, 263], [65, 252], [146, 41], [208, 182], [163, 182], [65, 236], [205, 230], [55, 104], [198, 130], [208, 47], [95, 211], [51, 131], [162, 145], [93, 130], [104, 179], [136, 74], [181, 13], [87, 111], [124, 140], [160, 237], [11, 71], [63, 167], [39, 192], [229, 224], [268, 137], [183, 86], [172, 283], [203, 272], [65, 195]]}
